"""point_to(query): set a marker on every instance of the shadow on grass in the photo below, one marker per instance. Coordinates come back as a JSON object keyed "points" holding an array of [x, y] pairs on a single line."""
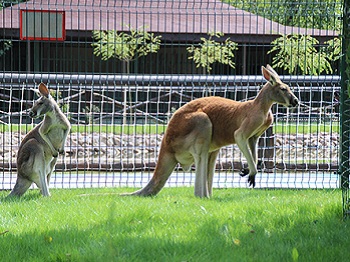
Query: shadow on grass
{"points": [[126, 238], [250, 230], [30, 195], [112, 241]]}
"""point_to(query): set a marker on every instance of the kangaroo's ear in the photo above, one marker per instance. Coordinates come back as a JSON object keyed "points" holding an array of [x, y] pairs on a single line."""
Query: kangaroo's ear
{"points": [[44, 91], [268, 75], [36, 91], [272, 70]]}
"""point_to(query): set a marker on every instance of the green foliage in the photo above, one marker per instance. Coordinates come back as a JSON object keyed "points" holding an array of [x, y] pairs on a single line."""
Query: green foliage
{"points": [[5, 45], [7, 3], [210, 51], [57, 95], [234, 225], [124, 46], [333, 49], [321, 14], [298, 54], [89, 111]]}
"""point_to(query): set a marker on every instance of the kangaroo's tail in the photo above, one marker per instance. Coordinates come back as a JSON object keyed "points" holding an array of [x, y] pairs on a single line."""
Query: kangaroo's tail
{"points": [[164, 168]]}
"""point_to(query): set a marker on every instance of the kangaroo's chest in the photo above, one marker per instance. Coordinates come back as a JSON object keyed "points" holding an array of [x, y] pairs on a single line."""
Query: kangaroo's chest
{"points": [[55, 129], [56, 135]]}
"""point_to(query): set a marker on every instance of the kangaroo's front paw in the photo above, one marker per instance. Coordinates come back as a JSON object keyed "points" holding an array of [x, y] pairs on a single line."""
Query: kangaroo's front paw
{"points": [[54, 152], [244, 172], [61, 151], [251, 181]]}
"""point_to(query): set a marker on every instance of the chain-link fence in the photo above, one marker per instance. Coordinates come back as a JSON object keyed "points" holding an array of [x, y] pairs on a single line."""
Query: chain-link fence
{"points": [[344, 168], [119, 69]]}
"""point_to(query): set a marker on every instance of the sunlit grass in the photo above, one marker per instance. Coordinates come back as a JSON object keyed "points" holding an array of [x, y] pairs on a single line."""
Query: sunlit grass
{"points": [[305, 128], [235, 225], [278, 128], [96, 128]]}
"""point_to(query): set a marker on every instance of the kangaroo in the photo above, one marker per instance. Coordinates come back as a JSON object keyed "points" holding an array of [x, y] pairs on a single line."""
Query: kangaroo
{"points": [[198, 130], [38, 151]]}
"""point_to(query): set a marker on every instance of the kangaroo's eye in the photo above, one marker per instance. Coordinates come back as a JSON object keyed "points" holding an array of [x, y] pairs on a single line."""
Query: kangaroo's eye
{"points": [[284, 89]]}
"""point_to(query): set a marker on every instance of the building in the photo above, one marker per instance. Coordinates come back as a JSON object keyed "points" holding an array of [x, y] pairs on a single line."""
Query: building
{"points": [[180, 24]]}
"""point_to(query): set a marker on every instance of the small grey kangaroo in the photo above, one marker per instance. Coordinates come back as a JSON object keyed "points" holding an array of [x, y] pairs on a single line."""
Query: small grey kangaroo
{"points": [[38, 151]]}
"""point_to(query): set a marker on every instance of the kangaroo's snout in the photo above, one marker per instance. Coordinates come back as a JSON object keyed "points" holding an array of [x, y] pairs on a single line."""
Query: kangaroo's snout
{"points": [[294, 101], [31, 114]]}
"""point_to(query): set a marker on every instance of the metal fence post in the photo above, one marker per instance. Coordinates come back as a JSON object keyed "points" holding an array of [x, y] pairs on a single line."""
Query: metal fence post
{"points": [[344, 161]]}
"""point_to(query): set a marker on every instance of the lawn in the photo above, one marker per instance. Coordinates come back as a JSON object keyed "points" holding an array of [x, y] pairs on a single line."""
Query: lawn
{"points": [[305, 128], [234, 225], [115, 129], [279, 128]]}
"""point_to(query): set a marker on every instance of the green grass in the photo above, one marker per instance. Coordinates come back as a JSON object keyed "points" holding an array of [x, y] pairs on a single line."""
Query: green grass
{"points": [[116, 129], [234, 225], [278, 128], [305, 128], [119, 129]]}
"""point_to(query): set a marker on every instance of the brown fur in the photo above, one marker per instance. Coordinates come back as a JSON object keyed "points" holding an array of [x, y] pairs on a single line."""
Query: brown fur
{"points": [[198, 130]]}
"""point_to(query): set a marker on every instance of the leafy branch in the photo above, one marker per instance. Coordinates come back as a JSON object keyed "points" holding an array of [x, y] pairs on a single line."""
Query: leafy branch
{"points": [[124, 46], [6, 45], [210, 51], [298, 52]]}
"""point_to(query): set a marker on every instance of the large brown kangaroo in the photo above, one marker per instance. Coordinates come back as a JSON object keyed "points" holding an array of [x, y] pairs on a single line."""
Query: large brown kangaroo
{"points": [[198, 130], [38, 152]]}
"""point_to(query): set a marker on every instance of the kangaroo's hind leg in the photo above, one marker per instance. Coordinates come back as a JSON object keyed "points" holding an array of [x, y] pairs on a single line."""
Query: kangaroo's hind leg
{"points": [[200, 139], [40, 173], [21, 186], [211, 170], [25, 160], [52, 166]]}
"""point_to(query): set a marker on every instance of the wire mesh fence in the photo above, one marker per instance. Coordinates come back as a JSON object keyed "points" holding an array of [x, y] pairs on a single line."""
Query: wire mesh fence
{"points": [[119, 70], [118, 123]]}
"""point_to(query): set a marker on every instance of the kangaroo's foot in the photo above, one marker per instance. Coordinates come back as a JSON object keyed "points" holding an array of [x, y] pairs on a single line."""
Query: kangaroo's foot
{"points": [[251, 180]]}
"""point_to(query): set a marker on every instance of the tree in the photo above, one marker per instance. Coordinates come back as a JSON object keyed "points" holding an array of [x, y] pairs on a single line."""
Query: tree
{"points": [[210, 51], [333, 49], [321, 14], [298, 54], [124, 46]]}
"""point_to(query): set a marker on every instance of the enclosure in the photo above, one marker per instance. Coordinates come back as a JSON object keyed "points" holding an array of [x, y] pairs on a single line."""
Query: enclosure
{"points": [[120, 69]]}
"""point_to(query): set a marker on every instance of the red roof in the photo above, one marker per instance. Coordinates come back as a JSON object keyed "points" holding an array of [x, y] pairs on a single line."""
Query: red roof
{"points": [[169, 17]]}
